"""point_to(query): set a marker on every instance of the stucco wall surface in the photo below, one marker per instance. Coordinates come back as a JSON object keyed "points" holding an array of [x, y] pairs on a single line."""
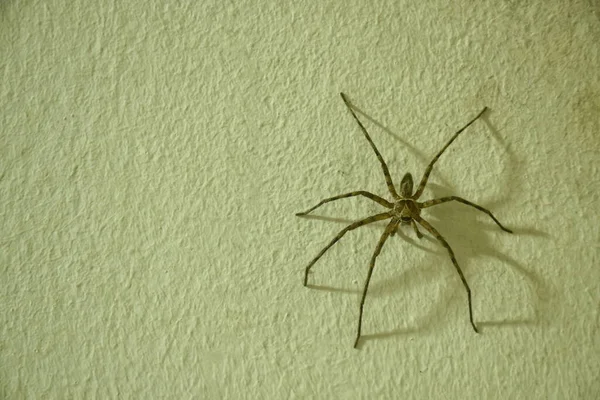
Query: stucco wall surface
{"points": [[153, 156]]}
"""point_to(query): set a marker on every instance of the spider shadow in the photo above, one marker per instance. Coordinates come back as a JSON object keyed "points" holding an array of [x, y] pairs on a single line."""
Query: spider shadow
{"points": [[514, 188], [450, 297], [460, 231], [467, 232], [513, 184], [476, 244], [542, 306], [410, 278], [466, 245]]}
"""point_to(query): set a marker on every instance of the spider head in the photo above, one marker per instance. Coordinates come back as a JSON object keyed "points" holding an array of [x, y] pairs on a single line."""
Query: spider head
{"points": [[406, 186]]}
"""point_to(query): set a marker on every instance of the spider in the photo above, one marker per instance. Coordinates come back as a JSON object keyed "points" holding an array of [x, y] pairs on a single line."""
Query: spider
{"points": [[403, 210]]}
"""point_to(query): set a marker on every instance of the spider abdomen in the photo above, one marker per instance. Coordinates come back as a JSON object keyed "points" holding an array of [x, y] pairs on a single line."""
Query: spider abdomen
{"points": [[406, 186]]}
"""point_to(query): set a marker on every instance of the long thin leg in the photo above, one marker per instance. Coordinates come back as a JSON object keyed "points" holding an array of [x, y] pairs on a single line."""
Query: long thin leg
{"points": [[350, 227], [371, 196], [439, 237], [434, 202], [386, 171], [421, 187], [414, 225], [388, 231]]}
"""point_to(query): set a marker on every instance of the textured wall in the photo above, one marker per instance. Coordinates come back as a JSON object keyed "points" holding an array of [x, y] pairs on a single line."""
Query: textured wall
{"points": [[152, 157]]}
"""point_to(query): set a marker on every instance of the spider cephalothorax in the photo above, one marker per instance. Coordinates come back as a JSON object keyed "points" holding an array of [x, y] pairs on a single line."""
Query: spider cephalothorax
{"points": [[403, 210]]}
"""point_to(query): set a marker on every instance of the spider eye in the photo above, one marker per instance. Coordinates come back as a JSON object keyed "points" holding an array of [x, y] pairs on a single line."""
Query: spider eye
{"points": [[405, 219]]}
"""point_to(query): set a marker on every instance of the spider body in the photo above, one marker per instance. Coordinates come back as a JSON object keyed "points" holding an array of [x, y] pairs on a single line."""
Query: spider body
{"points": [[404, 210]]}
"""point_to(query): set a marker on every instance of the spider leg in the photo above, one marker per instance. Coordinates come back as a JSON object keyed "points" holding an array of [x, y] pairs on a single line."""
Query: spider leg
{"points": [[414, 225], [441, 239], [421, 187], [387, 233], [386, 171], [350, 227], [434, 202], [371, 196]]}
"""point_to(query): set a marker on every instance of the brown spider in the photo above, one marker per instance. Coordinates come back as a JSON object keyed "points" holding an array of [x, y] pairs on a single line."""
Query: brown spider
{"points": [[404, 210]]}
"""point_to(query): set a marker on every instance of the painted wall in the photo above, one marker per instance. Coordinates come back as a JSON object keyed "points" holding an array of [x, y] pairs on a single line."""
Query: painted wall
{"points": [[153, 155]]}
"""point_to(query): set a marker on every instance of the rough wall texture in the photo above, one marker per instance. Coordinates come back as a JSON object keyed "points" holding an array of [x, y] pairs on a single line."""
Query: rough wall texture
{"points": [[152, 157]]}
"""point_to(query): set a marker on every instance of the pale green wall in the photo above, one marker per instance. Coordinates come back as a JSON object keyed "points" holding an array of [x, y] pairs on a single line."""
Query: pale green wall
{"points": [[153, 155]]}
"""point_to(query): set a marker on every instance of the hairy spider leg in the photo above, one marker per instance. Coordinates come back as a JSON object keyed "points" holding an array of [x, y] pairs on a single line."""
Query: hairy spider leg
{"points": [[441, 239], [386, 171], [357, 224], [414, 225], [421, 187], [434, 202], [415, 229], [391, 227], [371, 196]]}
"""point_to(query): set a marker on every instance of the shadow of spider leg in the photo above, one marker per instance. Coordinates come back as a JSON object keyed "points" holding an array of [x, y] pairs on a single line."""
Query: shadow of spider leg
{"points": [[441, 239], [389, 230]]}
